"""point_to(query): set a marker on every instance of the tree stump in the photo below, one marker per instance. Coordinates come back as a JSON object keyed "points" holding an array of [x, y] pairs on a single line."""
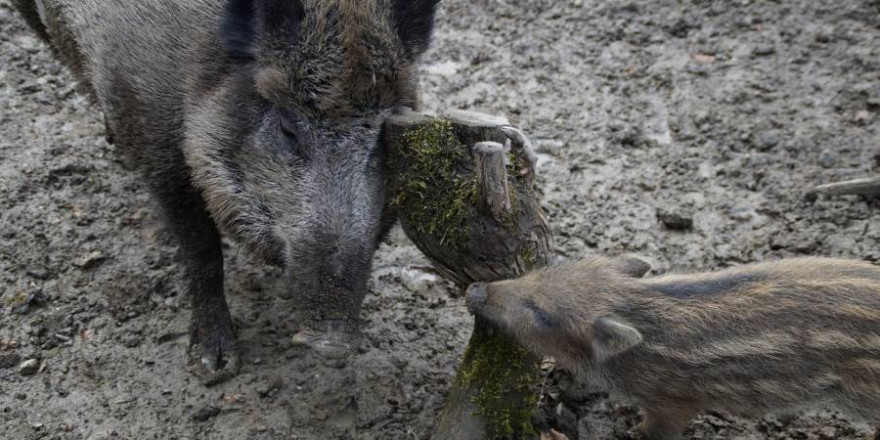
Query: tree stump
{"points": [[463, 186]]}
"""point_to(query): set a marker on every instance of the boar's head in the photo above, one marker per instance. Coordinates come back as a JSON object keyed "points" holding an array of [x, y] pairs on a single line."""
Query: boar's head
{"points": [[283, 132]]}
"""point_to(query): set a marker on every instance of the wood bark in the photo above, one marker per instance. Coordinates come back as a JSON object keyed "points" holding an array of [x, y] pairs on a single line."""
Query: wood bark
{"points": [[464, 188]]}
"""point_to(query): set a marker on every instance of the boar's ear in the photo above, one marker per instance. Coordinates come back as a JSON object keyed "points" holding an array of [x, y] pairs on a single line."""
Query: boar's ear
{"points": [[414, 21], [612, 337], [631, 266], [238, 30], [279, 20], [276, 22]]}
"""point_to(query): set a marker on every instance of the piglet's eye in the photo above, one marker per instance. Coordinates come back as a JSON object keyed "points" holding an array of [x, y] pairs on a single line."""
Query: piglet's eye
{"points": [[541, 316]]}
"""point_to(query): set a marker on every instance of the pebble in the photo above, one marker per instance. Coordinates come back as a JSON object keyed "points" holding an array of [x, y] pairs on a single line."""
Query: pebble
{"points": [[416, 280], [205, 413], [763, 50], [37, 273], [548, 146], [131, 340], [827, 159], [743, 214], [89, 260], [675, 219], [768, 139], [829, 432], [29, 367]]}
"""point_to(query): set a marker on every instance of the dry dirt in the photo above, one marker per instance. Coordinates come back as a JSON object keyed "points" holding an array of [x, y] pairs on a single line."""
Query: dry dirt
{"points": [[712, 116]]}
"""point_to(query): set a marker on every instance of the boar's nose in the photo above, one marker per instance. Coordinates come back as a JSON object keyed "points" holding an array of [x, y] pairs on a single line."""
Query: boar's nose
{"points": [[475, 297]]}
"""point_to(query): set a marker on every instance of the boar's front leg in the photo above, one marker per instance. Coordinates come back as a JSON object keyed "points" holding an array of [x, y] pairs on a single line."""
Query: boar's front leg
{"points": [[212, 339]]}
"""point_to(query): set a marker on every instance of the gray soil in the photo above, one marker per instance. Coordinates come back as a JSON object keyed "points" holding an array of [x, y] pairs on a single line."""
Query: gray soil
{"points": [[683, 131]]}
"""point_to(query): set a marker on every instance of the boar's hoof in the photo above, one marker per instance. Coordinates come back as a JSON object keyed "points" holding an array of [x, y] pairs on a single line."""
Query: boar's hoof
{"points": [[214, 358], [330, 339]]}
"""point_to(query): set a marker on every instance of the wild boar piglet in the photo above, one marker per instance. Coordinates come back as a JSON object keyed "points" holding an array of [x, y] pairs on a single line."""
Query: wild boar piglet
{"points": [[771, 337]]}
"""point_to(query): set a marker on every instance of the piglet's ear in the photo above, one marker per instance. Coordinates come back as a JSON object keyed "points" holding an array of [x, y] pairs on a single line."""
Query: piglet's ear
{"points": [[414, 22], [631, 266], [612, 337]]}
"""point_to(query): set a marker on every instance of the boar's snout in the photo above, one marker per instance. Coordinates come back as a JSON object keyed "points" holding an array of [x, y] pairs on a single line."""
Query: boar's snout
{"points": [[475, 297]]}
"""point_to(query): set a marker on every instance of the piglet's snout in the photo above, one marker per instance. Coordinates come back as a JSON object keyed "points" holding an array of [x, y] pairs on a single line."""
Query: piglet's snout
{"points": [[475, 297]]}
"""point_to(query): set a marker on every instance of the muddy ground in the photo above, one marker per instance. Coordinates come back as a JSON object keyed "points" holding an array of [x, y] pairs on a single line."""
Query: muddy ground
{"points": [[713, 115]]}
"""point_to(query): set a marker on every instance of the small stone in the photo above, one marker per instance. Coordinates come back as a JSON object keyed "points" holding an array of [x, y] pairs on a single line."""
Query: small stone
{"points": [[827, 159], [89, 260], [680, 28], [743, 214], [37, 273], [675, 220], [29, 367], [131, 340], [205, 413], [768, 139], [548, 146], [321, 414], [829, 432], [763, 50], [703, 58], [417, 280]]}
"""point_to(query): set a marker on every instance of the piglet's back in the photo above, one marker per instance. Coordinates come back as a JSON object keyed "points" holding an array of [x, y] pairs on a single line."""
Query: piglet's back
{"points": [[776, 334]]}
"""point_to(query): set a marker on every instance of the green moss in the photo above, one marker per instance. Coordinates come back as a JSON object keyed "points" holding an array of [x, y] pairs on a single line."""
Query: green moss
{"points": [[503, 377], [527, 253], [430, 196]]}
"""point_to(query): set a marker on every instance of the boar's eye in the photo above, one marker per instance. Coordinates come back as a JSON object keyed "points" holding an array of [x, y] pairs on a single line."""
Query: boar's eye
{"points": [[541, 317], [288, 133], [293, 139]]}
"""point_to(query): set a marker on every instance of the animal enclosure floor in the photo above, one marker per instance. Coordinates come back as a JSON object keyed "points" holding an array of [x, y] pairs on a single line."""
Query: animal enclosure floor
{"points": [[683, 131]]}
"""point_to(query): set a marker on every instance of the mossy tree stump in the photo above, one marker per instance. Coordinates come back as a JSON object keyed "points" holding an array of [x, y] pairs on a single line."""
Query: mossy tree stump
{"points": [[463, 186]]}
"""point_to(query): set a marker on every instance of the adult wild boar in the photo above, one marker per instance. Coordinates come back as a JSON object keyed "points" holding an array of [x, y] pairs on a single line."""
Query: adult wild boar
{"points": [[257, 118], [773, 336]]}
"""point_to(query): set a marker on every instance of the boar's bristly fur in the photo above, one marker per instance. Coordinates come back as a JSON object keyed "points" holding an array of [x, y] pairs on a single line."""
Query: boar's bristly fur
{"points": [[259, 119], [775, 336]]}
